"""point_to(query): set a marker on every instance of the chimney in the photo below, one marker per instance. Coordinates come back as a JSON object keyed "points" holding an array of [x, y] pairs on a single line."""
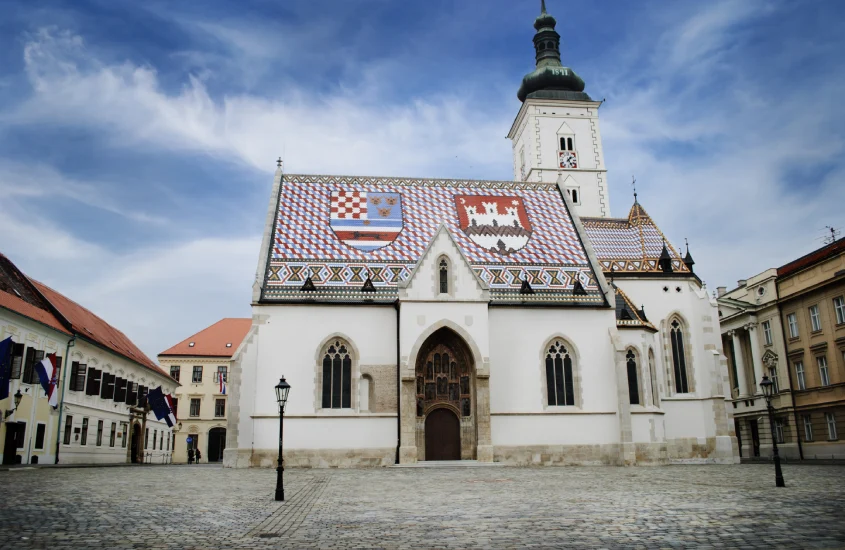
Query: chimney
{"points": [[721, 291], [741, 283]]}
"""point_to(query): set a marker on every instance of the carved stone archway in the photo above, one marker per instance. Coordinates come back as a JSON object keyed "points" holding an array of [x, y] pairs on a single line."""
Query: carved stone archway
{"points": [[445, 378]]}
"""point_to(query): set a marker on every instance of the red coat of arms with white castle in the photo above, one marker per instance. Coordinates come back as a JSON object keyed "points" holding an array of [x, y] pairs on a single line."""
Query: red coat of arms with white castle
{"points": [[498, 224]]}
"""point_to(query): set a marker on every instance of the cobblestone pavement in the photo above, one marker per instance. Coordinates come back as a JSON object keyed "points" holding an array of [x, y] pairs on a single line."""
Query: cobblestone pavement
{"points": [[567, 507]]}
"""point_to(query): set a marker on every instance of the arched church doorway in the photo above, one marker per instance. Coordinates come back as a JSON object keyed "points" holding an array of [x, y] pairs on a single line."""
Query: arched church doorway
{"points": [[216, 444], [442, 435], [445, 398]]}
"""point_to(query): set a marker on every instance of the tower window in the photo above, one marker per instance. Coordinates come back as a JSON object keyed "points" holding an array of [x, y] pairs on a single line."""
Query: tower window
{"points": [[575, 196], [567, 144]]}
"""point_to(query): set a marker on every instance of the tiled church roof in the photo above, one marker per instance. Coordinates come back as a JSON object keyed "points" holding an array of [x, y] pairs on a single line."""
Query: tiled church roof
{"points": [[630, 245], [339, 230], [627, 314]]}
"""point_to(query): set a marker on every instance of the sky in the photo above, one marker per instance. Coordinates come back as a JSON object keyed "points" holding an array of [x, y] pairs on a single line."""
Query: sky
{"points": [[138, 139]]}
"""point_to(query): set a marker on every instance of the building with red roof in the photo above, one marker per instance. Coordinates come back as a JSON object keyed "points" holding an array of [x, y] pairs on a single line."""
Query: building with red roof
{"points": [[201, 363], [104, 379]]}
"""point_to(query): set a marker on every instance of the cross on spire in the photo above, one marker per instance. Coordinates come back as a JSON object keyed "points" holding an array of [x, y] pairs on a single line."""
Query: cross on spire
{"points": [[634, 185], [542, 6]]}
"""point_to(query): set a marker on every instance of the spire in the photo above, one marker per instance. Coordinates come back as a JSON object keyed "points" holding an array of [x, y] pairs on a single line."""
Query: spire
{"points": [[550, 80], [688, 261], [634, 185], [665, 261]]}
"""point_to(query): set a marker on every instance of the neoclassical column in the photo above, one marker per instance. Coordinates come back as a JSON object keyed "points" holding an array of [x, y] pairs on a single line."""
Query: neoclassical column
{"points": [[755, 356], [739, 364]]}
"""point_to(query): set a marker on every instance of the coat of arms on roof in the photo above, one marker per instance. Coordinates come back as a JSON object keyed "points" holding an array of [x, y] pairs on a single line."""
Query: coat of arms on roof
{"points": [[497, 224], [365, 220]]}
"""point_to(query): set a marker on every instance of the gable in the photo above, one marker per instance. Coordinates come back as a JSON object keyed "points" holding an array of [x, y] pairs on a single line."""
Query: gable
{"points": [[463, 283], [341, 230]]}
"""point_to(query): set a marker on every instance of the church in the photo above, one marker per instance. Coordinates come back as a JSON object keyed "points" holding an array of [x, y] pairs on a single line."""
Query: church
{"points": [[493, 321]]}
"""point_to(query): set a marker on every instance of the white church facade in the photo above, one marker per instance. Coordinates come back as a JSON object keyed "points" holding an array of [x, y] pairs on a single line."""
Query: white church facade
{"points": [[497, 321]]}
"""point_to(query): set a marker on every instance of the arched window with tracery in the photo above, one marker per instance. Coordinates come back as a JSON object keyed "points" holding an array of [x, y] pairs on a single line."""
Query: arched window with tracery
{"points": [[560, 384], [444, 276], [679, 356], [633, 377], [337, 375], [652, 371]]}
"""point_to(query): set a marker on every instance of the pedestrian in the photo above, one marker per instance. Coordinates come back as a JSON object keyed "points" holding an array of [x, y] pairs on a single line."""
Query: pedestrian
{"points": [[199, 456], [190, 456]]}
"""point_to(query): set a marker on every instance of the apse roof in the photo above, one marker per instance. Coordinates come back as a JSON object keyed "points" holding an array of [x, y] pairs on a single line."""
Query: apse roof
{"points": [[632, 244], [342, 230]]}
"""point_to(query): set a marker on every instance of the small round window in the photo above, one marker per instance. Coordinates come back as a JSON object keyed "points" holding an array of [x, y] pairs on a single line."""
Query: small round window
{"points": [[761, 291]]}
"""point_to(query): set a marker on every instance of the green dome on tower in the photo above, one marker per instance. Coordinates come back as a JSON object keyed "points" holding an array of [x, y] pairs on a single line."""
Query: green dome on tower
{"points": [[550, 80]]}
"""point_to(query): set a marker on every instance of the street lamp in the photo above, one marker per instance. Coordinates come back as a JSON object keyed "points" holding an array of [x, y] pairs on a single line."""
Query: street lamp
{"points": [[17, 397], [282, 390], [768, 387]]}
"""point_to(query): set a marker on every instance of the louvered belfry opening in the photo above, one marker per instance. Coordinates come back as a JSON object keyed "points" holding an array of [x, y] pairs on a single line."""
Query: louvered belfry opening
{"points": [[445, 387]]}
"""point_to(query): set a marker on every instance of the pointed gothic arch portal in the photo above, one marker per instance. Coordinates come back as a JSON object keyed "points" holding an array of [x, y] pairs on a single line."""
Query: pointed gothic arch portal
{"points": [[445, 398]]}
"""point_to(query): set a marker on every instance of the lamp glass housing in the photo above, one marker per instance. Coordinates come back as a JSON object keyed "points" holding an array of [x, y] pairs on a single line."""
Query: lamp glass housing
{"points": [[767, 386], [18, 396], [282, 389]]}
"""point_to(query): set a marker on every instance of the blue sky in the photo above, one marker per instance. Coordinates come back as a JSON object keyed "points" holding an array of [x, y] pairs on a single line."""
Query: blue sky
{"points": [[137, 140]]}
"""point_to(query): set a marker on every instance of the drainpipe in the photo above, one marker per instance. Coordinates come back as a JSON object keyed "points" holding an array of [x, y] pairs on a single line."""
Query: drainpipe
{"points": [[789, 374], [398, 388], [70, 343]]}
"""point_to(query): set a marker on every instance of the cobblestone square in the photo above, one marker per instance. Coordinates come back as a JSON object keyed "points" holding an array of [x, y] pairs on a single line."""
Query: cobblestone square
{"points": [[496, 507]]}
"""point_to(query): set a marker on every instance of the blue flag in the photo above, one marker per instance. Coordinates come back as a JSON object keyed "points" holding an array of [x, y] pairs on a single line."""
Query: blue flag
{"points": [[157, 403], [5, 366]]}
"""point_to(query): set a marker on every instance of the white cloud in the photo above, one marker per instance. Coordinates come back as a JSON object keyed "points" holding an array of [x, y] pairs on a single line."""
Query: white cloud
{"points": [[352, 131]]}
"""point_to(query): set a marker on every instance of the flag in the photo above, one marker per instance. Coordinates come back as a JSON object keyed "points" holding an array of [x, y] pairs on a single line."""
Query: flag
{"points": [[5, 366], [171, 418], [48, 375], [222, 381], [161, 406]]}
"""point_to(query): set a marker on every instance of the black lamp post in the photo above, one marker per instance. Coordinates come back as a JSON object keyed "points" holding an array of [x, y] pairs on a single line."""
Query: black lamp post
{"points": [[17, 399], [282, 390], [768, 387]]}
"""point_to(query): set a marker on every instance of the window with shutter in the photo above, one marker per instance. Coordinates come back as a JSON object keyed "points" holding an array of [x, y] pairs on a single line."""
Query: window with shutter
{"points": [[78, 381], [17, 360], [120, 390], [28, 364]]}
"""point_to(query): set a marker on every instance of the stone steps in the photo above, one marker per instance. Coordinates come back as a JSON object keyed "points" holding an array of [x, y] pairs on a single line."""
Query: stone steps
{"points": [[449, 464]]}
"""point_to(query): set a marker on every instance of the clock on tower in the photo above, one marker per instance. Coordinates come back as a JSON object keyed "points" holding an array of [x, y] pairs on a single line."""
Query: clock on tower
{"points": [[567, 159]]}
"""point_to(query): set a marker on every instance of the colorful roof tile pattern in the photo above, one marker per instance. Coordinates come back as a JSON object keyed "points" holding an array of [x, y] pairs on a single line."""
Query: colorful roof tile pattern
{"points": [[627, 314], [340, 230], [630, 245]]}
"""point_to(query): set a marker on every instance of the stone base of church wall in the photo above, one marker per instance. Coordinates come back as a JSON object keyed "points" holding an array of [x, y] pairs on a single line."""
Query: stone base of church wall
{"points": [[703, 450], [311, 458], [607, 454]]}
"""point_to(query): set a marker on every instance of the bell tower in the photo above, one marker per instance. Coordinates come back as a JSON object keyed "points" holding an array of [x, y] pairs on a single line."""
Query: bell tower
{"points": [[556, 134]]}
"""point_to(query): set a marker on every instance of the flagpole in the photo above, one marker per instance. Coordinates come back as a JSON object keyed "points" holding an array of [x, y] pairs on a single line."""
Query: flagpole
{"points": [[66, 362]]}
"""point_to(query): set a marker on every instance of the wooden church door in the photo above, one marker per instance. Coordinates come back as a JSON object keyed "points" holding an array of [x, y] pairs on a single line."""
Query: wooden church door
{"points": [[442, 435]]}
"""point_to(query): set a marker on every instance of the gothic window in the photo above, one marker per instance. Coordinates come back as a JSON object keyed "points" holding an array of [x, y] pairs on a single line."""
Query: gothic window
{"points": [[560, 384], [337, 376], [652, 371], [633, 378], [443, 271], [679, 356]]}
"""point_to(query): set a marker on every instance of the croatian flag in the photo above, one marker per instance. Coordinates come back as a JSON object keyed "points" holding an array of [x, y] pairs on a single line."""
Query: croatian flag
{"points": [[48, 376], [222, 381], [161, 406]]}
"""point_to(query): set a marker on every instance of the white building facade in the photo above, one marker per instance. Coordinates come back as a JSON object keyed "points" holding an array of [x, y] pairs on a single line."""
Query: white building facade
{"points": [[496, 321]]}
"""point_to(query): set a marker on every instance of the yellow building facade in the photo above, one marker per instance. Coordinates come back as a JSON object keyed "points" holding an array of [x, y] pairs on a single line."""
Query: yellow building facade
{"points": [[202, 363]]}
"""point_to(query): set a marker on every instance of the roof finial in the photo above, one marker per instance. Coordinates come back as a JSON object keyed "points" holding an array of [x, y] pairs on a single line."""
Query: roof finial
{"points": [[686, 242], [634, 185], [279, 162], [542, 6]]}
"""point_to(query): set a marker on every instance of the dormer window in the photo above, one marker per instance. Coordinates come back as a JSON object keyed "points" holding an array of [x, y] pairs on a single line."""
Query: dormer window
{"points": [[444, 276]]}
